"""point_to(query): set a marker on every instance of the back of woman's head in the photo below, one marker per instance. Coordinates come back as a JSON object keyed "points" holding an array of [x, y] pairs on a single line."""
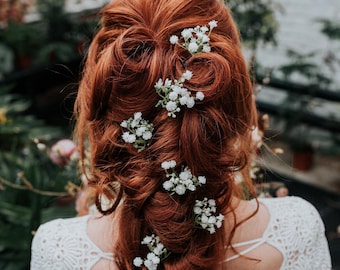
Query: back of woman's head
{"points": [[130, 53]]}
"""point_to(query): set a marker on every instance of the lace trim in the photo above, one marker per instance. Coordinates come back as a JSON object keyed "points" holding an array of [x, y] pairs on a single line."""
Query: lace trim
{"points": [[256, 243]]}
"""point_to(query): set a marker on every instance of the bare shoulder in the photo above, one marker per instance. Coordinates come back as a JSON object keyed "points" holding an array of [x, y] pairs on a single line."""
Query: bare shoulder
{"points": [[249, 235], [97, 225]]}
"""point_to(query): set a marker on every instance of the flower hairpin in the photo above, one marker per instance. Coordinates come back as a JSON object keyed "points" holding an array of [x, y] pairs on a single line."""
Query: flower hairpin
{"points": [[204, 217], [173, 94], [157, 253], [180, 183], [195, 39], [139, 131]]}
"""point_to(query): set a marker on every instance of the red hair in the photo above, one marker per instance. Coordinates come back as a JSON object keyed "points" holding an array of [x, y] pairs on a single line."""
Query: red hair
{"points": [[128, 55]]}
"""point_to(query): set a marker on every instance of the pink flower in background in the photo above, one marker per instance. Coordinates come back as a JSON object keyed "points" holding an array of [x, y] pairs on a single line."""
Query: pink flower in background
{"points": [[62, 152]]}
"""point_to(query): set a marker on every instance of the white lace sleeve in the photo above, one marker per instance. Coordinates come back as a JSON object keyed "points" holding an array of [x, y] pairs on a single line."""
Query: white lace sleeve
{"points": [[297, 230], [63, 244]]}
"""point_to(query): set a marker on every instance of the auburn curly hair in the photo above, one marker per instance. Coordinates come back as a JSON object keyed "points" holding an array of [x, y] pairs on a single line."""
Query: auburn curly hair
{"points": [[128, 55]]}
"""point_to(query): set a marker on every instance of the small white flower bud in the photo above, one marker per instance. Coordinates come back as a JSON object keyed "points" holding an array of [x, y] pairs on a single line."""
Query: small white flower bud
{"points": [[187, 75], [193, 47], [138, 262], [173, 39], [212, 24], [199, 95]]}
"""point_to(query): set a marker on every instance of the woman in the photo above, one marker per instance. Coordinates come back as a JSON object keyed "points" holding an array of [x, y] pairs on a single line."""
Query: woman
{"points": [[166, 107]]}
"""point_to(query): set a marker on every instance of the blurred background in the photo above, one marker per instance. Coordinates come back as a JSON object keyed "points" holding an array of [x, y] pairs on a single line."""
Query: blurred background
{"points": [[293, 52]]}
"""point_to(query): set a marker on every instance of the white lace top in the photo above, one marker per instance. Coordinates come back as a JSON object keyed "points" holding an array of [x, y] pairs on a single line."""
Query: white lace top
{"points": [[63, 244], [295, 229]]}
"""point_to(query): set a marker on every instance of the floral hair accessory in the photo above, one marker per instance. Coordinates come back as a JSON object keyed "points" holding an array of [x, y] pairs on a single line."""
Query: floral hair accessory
{"points": [[195, 39], [139, 131], [204, 217], [173, 94], [180, 183], [157, 253]]}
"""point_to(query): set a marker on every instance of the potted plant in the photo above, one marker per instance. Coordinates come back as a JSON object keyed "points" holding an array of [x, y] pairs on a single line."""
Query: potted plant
{"points": [[57, 26], [296, 107], [302, 153]]}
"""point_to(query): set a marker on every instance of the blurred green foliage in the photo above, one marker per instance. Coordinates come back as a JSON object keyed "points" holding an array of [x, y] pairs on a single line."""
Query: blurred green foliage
{"points": [[256, 21], [31, 185]]}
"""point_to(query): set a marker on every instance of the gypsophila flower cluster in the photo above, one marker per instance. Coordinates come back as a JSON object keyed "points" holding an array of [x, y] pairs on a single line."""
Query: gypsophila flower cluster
{"points": [[195, 39], [180, 183], [157, 253], [173, 94], [139, 131], [204, 217]]}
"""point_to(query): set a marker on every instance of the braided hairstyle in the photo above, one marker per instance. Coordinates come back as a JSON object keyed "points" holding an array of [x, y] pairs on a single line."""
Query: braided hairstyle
{"points": [[128, 55]]}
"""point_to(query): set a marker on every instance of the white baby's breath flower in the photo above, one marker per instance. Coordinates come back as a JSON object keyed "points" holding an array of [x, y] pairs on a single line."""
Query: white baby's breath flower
{"points": [[158, 249], [202, 180], [138, 261], [177, 89], [184, 176], [168, 164], [191, 187], [132, 138], [183, 100], [187, 75], [187, 33], [204, 219], [203, 211], [127, 137], [211, 230], [134, 123], [173, 94], [156, 254], [196, 39], [172, 163], [180, 189], [190, 102], [212, 24], [167, 82], [147, 239], [137, 115], [204, 29], [179, 183], [139, 131], [205, 38], [171, 106], [168, 185], [153, 258], [211, 202], [159, 83], [173, 39], [197, 210], [193, 47], [147, 135], [124, 124], [206, 48], [212, 220], [165, 165]]}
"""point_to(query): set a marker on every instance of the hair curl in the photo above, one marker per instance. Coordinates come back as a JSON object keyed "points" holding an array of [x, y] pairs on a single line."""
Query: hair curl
{"points": [[129, 53]]}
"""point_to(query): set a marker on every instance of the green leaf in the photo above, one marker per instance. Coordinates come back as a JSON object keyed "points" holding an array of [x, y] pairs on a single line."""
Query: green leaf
{"points": [[15, 214]]}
